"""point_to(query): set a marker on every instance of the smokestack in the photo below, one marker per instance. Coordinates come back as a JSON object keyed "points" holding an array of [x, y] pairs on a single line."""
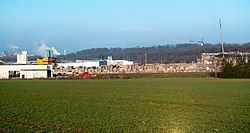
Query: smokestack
{"points": [[48, 53]]}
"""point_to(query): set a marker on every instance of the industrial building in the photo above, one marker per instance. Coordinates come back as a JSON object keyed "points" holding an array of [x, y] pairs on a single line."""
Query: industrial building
{"points": [[25, 71], [111, 62], [216, 58], [115, 62], [95, 63], [20, 69], [79, 64], [22, 58], [48, 59]]}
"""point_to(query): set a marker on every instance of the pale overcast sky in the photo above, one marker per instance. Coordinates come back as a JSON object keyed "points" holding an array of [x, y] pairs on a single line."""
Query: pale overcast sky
{"points": [[81, 24]]}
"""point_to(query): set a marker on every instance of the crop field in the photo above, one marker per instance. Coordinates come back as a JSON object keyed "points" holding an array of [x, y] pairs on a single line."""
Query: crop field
{"points": [[130, 105]]}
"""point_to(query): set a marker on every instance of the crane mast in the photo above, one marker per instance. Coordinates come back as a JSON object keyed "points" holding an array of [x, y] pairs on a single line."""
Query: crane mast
{"points": [[222, 45]]}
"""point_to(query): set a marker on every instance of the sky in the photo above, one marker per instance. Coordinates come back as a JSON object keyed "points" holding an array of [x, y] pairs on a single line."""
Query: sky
{"points": [[74, 25]]}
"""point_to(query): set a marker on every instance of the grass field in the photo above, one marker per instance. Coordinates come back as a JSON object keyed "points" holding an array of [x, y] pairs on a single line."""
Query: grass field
{"points": [[132, 105]]}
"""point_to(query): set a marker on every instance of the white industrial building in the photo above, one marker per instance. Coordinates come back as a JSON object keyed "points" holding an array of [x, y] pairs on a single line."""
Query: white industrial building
{"points": [[111, 62], [80, 64], [86, 63], [119, 62], [25, 71]]}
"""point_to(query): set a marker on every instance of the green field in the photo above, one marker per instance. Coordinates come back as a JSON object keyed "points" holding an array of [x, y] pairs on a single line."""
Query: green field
{"points": [[132, 105]]}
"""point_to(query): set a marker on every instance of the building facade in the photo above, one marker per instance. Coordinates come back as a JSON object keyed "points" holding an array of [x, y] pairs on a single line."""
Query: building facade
{"points": [[25, 71]]}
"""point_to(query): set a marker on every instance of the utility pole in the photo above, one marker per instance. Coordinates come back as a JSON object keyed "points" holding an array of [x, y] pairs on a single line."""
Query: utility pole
{"points": [[146, 60], [222, 45], [140, 59]]}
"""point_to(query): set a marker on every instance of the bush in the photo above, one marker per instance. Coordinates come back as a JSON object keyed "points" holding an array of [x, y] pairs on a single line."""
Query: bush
{"points": [[240, 69]]}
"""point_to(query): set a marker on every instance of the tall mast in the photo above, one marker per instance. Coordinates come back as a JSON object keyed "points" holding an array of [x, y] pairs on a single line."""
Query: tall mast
{"points": [[222, 45]]}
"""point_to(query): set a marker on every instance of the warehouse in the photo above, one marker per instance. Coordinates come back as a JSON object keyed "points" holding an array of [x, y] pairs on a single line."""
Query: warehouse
{"points": [[25, 71], [78, 64]]}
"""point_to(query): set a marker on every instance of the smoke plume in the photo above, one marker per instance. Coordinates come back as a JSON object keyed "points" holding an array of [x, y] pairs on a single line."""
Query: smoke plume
{"points": [[43, 48], [54, 51], [13, 48]]}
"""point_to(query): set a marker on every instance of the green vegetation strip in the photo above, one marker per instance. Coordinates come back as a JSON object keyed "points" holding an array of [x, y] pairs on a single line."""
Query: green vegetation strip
{"points": [[132, 105]]}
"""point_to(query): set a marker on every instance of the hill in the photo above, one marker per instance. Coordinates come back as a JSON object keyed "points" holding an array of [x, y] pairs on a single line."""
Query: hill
{"points": [[180, 53]]}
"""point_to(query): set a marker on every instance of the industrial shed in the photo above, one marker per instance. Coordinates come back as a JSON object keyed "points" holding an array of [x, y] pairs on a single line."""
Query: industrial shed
{"points": [[25, 71], [80, 64]]}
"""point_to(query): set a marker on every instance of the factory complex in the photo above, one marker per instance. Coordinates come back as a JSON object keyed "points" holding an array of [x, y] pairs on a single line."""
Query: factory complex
{"points": [[49, 66]]}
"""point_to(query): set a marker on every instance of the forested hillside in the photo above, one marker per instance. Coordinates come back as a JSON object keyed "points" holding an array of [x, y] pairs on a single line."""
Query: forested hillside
{"points": [[155, 54]]}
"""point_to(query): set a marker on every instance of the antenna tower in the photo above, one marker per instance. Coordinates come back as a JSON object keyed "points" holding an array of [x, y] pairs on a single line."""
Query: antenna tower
{"points": [[222, 45]]}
